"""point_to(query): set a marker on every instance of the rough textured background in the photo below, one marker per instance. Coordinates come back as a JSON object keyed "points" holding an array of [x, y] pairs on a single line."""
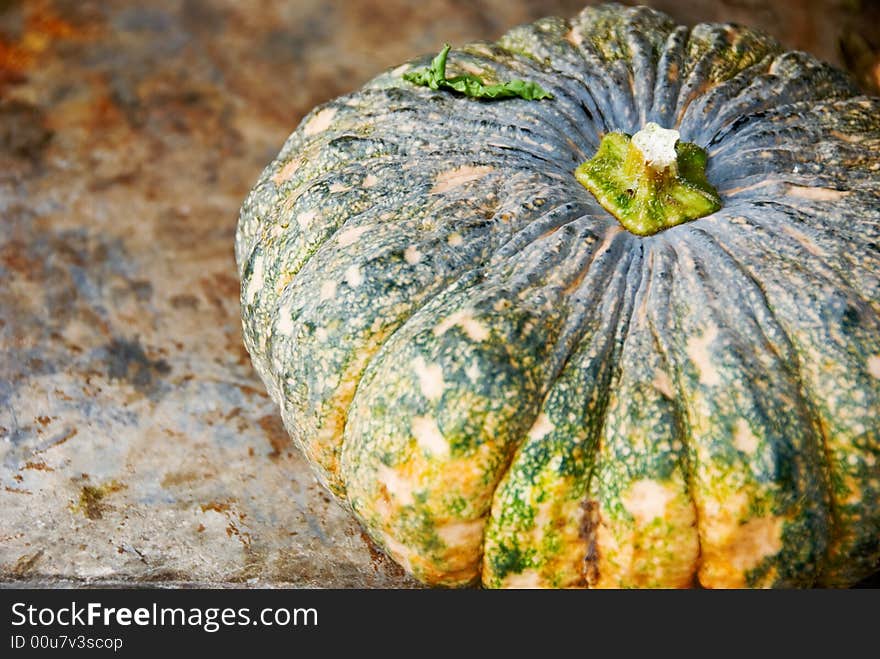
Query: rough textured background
{"points": [[136, 444]]}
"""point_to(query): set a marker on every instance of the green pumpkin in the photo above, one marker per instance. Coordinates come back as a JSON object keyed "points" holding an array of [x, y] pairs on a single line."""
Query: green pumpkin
{"points": [[508, 386]]}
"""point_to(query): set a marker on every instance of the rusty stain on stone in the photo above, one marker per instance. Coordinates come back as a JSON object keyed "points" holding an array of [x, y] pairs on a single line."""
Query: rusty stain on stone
{"points": [[25, 564], [276, 434], [91, 499]]}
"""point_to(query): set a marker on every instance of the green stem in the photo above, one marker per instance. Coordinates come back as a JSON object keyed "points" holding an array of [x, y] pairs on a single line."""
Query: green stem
{"points": [[650, 181]]}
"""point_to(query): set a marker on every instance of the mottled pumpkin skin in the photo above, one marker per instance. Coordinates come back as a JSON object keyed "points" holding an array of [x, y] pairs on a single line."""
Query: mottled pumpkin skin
{"points": [[507, 387]]}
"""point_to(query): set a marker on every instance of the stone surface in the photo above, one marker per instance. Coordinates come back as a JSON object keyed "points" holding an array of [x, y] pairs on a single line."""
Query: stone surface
{"points": [[136, 443]]}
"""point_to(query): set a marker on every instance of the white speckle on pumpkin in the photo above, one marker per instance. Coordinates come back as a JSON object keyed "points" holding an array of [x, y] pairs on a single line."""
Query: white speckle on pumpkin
{"points": [[574, 38], [698, 351], [752, 542], [542, 427], [321, 334], [459, 176], [473, 328], [351, 236], [328, 289], [304, 219], [395, 485], [663, 383], [336, 188], [353, 276], [286, 172], [743, 438], [428, 436], [399, 552], [527, 579], [473, 371], [733, 540], [462, 535], [285, 320], [256, 281], [320, 121], [874, 366], [455, 240], [369, 181], [412, 255], [647, 500], [430, 378]]}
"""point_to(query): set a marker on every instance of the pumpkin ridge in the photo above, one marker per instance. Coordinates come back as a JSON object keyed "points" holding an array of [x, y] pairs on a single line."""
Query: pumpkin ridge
{"points": [[836, 518], [681, 428], [588, 26], [823, 268], [463, 126], [503, 552], [845, 275], [644, 57], [465, 271], [707, 110], [537, 226], [501, 254], [576, 343], [538, 132], [592, 573], [591, 110], [389, 533], [594, 110], [544, 224], [682, 424], [813, 451], [753, 92], [292, 426], [645, 514], [830, 120], [307, 254], [705, 72], [617, 23], [711, 556], [824, 408], [791, 355], [669, 76]]}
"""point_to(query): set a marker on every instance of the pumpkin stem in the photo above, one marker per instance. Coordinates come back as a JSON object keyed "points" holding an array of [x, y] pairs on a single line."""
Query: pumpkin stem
{"points": [[650, 181]]}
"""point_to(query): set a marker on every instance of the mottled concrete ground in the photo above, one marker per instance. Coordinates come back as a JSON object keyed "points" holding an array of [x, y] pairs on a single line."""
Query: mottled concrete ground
{"points": [[136, 443]]}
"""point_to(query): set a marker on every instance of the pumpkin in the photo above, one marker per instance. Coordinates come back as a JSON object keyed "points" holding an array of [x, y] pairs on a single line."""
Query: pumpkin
{"points": [[511, 380]]}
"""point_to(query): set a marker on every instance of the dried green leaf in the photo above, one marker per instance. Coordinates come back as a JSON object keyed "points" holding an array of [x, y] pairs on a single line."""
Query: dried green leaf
{"points": [[434, 77]]}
